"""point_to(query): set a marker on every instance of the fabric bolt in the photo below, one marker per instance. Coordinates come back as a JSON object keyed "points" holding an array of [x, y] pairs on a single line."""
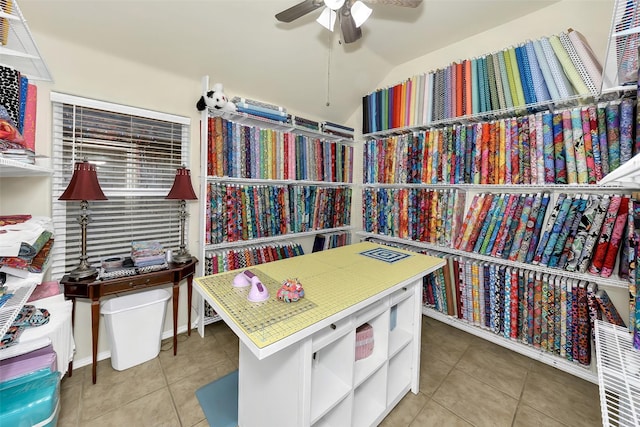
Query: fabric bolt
{"points": [[590, 240], [544, 315], [616, 239], [493, 83], [555, 231], [559, 149], [529, 228], [563, 315], [537, 310], [585, 202], [504, 77], [511, 78], [507, 151], [515, 298], [493, 208], [613, 134], [584, 341], [535, 236], [494, 225], [529, 278], [589, 59], [471, 221], [533, 150], [524, 150], [582, 173], [525, 75], [505, 225], [579, 87], [588, 145], [545, 69], [448, 95], [577, 207], [549, 227], [502, 104], [516, 144], [602, 138], [537, 79], [522, 226], [475, 90], [626, 130], [570, 149], [481, 85], [595, 142], [513, 225], [605, 235], [580, 68], [548, 149], [502, 152], [539, 134], [563, 85], [517, 79]]}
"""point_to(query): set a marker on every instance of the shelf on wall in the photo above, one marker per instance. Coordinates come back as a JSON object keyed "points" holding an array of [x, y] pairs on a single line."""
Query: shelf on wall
{"points": [[249, 120], [14, 168], [232, 180], [602, 281], [616, 185], [18, 50], [240, 243]]}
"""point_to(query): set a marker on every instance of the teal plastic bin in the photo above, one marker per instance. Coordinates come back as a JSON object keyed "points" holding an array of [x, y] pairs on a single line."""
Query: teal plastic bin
{"points": [[31, 400]]}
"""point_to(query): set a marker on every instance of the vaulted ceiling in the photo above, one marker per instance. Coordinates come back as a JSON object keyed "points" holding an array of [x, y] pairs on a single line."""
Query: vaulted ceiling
{"points": [[299, 65]]}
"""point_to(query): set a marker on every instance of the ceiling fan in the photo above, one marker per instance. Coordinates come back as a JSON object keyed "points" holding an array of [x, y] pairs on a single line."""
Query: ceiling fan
{"points": [[351, 13]]}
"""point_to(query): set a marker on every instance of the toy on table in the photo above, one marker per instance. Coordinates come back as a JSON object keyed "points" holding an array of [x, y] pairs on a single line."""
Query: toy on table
{"points": [[216, 99], [258, 291], [290, 291]]}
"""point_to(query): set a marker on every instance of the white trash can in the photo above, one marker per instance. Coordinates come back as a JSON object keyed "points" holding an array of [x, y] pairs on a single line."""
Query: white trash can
{"points": [[134, 325]]}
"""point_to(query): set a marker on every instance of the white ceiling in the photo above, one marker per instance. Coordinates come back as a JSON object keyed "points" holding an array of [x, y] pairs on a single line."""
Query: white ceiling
{"points": [[239, 43]]}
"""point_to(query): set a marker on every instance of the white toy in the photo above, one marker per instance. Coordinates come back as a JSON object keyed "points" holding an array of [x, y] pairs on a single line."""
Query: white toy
{"points": [[216, 99]]}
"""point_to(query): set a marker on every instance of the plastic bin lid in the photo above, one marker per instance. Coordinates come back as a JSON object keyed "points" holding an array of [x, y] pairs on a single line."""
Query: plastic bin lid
{"points": [[132, 301]]}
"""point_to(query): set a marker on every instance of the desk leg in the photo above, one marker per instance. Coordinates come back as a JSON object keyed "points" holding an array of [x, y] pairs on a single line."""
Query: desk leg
{"points": [[189, 295], [95, 322], [73, 322], [176, 296]]}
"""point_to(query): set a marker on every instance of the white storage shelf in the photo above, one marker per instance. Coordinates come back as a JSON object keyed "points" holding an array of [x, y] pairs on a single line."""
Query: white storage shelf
{"points": [[13, 168], [618, 374], [19, 51]]}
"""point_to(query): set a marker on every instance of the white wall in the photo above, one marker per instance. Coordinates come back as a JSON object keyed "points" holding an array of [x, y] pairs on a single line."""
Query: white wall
{"points": [[83, 72], [80, 71]]}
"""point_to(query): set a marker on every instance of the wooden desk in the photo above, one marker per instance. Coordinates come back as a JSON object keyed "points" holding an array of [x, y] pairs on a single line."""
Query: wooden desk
{"points": [[302, 354], [96, 289]]}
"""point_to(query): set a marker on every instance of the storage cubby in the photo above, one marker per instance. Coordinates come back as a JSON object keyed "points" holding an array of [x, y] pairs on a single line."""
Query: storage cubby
{"points": [[369, 399], [400, 321], [399, 375], [330, 375], [378, 318], [338, 416]]}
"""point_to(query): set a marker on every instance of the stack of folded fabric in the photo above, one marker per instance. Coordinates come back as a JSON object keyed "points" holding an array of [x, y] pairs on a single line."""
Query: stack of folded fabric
{"points": [[338, 130], [25, 244], [305, 123], [147, 253], [260, 109]]}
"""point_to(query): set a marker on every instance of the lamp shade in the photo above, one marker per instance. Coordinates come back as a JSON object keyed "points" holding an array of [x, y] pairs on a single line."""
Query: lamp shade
{"points": [[360, 13], [84, 184], [182, 189]]}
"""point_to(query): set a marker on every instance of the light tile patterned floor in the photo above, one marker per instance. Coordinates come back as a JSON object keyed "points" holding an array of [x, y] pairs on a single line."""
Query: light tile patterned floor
{"points": [[464, 381]]}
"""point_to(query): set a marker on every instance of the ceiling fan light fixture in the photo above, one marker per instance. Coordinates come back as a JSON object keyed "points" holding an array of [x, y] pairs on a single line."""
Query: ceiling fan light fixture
{"points": [[360, 12], [327, 18], [334, 4]]}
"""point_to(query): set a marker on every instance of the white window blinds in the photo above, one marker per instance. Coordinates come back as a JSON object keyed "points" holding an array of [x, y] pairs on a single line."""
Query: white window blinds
{"points": [[136, 153]]}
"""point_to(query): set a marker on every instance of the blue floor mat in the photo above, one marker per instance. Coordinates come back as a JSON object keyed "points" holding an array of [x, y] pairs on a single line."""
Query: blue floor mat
{"points": [[219, 401]]}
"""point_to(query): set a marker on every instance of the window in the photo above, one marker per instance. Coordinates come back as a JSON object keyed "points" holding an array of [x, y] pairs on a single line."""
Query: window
{"points": [[136, 153]]}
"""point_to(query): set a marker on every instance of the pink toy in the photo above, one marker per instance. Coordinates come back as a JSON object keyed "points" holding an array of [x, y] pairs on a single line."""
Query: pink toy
{"points": [[290, 291]]}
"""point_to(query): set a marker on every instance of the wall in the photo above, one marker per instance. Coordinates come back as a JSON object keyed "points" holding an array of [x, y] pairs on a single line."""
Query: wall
{"points": [[83, 72], [80, 71]]}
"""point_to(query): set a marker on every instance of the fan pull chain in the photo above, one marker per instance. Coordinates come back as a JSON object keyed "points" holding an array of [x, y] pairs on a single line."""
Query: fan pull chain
{"points": [[328, 103]]}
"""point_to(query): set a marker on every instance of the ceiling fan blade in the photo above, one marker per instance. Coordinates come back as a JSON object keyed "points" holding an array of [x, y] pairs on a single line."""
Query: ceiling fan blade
{"points": [[350, 32], [403, 3], [298, 10]]}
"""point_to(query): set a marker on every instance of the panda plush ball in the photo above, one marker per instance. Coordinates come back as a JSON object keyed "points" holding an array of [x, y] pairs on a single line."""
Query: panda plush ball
{"points": [[216, 99]]}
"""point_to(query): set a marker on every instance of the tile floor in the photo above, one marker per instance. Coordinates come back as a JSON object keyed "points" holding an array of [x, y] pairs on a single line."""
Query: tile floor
{"points": [[464, 381]]}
